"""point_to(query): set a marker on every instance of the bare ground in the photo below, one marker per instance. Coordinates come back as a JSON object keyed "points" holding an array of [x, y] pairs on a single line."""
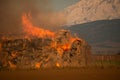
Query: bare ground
{"points": [[63, 74]]}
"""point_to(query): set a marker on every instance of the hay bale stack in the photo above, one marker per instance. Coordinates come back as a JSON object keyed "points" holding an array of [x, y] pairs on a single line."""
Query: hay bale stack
{"points": [[36, 53]]}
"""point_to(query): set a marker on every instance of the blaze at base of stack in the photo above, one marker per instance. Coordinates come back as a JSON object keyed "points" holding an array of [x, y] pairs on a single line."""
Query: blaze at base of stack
{"points": [[34, 53]]}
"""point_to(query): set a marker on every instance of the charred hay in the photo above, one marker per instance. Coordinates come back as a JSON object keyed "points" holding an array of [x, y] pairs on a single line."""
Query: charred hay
{"points": [[35, 53]]}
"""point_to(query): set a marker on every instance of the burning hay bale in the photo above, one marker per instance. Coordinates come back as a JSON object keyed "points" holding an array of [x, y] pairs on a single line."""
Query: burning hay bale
{"points": [[61, 51]]}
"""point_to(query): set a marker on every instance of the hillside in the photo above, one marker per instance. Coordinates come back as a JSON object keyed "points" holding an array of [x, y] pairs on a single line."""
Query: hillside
{"points": [[103, 35], [91, 10]]}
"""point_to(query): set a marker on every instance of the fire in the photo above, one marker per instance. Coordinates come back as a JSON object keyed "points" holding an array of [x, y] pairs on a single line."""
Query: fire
{"points": [[60, 46], [13, 66], [57, 65], [32, 30], [67, 46], [37, 65]]}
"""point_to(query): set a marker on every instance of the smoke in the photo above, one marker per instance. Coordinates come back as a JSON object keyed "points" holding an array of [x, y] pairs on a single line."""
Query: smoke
{"points": [[42, 14], [51, 20]]}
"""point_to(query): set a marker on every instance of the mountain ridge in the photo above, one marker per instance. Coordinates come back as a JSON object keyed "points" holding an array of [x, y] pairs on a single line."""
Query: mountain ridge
{"points": [[102, 34], [91, 10]]}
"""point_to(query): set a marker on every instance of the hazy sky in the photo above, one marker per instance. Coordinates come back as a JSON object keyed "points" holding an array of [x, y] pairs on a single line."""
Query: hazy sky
{"points": [[11, 11], [60, 4]]}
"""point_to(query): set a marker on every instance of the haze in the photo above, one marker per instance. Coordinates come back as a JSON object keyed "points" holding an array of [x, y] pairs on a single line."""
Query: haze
{"points": [[44, 13]]}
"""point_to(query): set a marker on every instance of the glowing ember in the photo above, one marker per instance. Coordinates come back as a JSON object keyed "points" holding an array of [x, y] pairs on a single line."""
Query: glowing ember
{"points": [[13, 66], [57, 65], [32, 30], [68, 45], [37, 65]]}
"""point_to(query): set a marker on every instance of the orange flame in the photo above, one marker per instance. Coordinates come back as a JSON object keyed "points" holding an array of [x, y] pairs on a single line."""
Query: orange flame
{"points": [[32, 30], [68, 45], [65, 47], [37, 65], [13, 66], [57, 65]]}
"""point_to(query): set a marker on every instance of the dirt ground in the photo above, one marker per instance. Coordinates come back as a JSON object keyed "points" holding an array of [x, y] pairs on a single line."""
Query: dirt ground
{"points": [[62, 74]]}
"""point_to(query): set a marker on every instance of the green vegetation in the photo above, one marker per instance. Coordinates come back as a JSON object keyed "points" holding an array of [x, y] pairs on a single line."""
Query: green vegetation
{"points": [[107, 64]]}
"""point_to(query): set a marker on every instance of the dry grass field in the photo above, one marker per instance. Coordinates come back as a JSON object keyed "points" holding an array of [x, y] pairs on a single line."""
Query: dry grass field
{"points": [[63, 74]]}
